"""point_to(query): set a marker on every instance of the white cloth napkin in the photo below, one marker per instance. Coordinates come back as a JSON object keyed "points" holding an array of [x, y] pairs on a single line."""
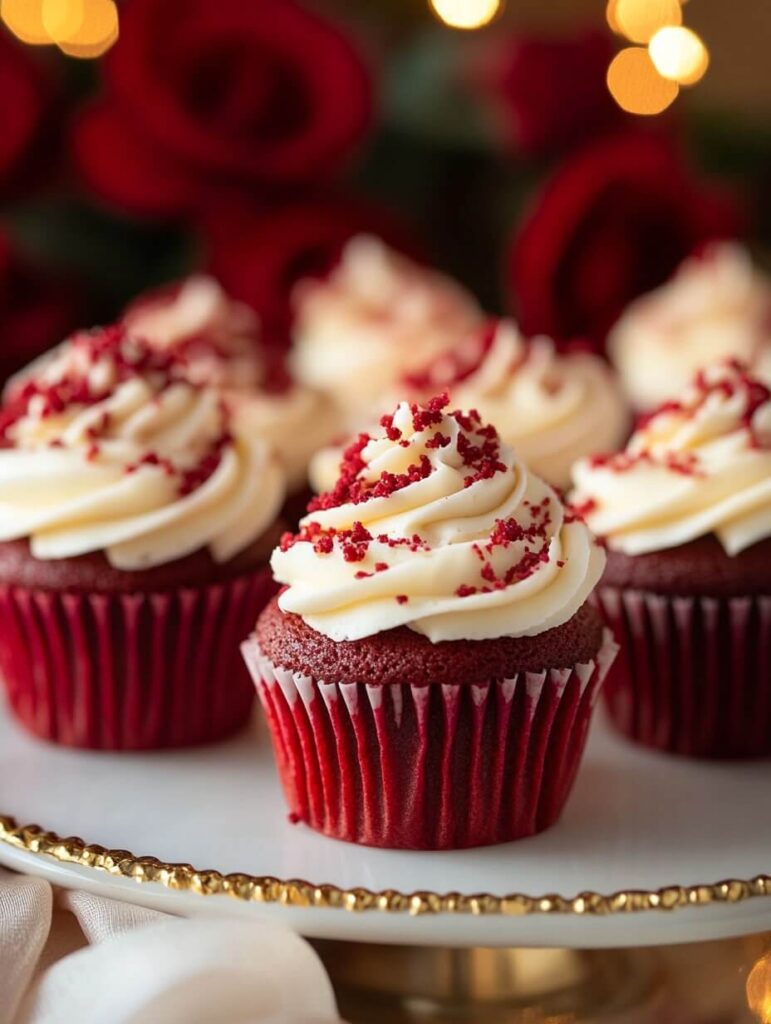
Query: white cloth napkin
{"points": [[137, 966]]}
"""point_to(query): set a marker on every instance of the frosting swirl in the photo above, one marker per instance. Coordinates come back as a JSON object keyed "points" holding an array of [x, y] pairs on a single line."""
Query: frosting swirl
{"points": [[551, 408], [217, 341], [717, 306], [375, 318], [111, 449], [699, 465], [295, 422], [436, 525], [215, 337]]}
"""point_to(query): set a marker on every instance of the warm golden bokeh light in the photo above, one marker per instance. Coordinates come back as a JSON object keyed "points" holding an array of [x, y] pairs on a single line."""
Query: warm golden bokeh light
{"points": [[80, 28], [636, 85], [639, 20], [25, 19], [466, 14], [62, 18], [679, 54], [759, 989], [610, 16], [90, 30]]}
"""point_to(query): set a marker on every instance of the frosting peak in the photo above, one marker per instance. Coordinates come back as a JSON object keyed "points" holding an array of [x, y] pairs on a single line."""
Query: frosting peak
{"points": [[552, 407], [697, 465], [216, 339], [376, 317], [436, 525], [213, 335], [716, 306], [111, 449]]}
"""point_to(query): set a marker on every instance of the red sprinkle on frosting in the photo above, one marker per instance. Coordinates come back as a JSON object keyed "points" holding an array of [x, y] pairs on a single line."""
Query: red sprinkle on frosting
{"points": [[478, 447], [736, 381], [452, 368], [127, 357]]}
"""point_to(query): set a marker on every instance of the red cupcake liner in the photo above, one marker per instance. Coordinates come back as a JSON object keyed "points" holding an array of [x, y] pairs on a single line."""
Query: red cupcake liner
{"points": [[111, 671], [433, 766], [694, 673]]}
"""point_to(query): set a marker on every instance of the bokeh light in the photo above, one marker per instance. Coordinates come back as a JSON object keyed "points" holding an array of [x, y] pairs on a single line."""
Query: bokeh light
{"points": [[80, 28], [466, 14], [25, 19], [612, 19], [62, 18], [97, 31], [636, 85], [759, 989], [639, 20], [679, 54]]}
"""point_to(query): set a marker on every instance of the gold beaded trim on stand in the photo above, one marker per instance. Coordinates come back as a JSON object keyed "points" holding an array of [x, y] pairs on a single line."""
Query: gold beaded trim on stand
{"points": [[297, 893]]}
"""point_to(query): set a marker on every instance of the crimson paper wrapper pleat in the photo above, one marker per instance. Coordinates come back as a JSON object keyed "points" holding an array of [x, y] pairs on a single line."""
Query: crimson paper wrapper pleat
{"points": [[694, 673], [117, 671], [431, 766]]}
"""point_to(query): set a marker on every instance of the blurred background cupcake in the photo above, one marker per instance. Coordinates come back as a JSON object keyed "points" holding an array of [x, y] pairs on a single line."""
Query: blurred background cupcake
{"points": [[716, 306], [376, 318], [136, 519], [685, 510], [430, 667], [551, 407]]}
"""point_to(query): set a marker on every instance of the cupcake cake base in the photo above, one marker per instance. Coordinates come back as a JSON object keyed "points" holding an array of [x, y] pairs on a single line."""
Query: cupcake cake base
{"points": [[425, 764], [127, 669], [693, 675]]}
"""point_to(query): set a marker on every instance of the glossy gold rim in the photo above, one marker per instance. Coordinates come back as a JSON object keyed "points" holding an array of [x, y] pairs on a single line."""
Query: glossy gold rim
{"points": [[298, 893]]}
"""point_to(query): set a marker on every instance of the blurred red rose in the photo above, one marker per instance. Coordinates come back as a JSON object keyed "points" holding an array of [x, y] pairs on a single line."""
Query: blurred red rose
{"points": [[614, 222], [25, 97], [259, 256], [550, 92], [37, 310], [203, 95]]}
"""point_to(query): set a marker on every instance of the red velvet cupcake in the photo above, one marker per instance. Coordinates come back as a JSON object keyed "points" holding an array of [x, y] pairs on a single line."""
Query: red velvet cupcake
{"points": [[135, 520], [429, 670], [686, 512]]}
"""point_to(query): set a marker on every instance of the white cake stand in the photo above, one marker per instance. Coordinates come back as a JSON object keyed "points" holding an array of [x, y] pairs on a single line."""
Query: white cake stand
{"points": [[650, 850]]}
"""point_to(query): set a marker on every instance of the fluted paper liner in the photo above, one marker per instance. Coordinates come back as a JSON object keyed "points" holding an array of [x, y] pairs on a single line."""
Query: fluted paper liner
{"points": [[115, 671], [694, 673], [430, 766]]}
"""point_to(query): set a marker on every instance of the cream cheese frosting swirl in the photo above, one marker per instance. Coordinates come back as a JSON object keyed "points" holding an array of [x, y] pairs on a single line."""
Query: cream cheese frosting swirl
{"points": [[717, 306], [295, 422], [111, 449], [217, 339], [552, 408], [377, 317], [214, 338], [699, 465], [436, 525], [212, 334]]}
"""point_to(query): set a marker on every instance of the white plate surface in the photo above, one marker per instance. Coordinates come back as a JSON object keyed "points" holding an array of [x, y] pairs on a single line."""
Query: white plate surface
{"points": [[636, 820]]}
